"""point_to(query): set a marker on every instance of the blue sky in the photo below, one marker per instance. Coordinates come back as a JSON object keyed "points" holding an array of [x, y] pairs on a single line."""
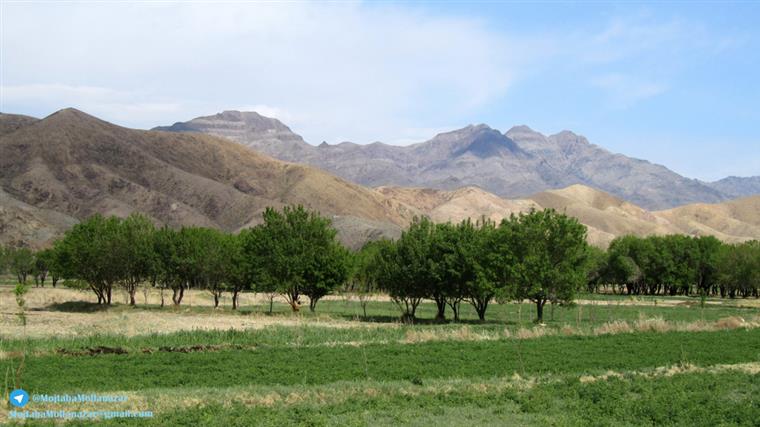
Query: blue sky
{"points": [[675, 83]]}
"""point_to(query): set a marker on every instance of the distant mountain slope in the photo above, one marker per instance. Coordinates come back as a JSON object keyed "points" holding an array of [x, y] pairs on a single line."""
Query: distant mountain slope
{"points": [[517, 163], [77, 165], [568, 159], [265, 134], [735, 187]]}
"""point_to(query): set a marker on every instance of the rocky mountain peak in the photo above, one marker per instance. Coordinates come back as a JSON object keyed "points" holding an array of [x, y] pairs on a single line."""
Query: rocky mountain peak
{"points": [[516, 163]]}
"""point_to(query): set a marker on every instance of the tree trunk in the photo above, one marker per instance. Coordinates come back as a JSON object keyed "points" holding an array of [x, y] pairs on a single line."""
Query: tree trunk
{"points": [[292, 298], [234, 299], [313, 304], [132, 291], [407, 318], [440, 303], [455, 304], [108, 295], [216, 300], [540, 310], [271, 303]]}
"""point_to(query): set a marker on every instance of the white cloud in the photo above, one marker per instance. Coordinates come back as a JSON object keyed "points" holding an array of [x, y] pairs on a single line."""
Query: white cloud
{"points": [[122, 107], [333, 71]]}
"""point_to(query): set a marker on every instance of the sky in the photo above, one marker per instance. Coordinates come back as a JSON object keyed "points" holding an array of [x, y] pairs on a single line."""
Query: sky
{"points": [[676, 83]]}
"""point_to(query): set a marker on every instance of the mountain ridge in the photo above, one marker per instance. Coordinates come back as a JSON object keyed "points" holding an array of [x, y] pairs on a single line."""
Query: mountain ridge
{"points": [[513, 164], [61, 169]]}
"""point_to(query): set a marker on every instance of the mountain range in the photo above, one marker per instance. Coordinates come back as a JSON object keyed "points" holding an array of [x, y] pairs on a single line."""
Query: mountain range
{"points": [[61, 169], [517, 163]]}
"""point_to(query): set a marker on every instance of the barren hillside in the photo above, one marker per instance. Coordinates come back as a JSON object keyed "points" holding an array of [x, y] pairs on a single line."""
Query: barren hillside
{"points": [[77, 165]]}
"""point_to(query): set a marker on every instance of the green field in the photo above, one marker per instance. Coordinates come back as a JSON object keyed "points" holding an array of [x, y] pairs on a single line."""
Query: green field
{"points": [[627, 362]]}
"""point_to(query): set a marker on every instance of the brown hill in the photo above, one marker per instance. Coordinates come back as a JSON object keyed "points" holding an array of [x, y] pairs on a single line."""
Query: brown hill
{"points": [[454, 206], [78, 165], [22, 224], [12, 122], [735, 220], [607, 216]]}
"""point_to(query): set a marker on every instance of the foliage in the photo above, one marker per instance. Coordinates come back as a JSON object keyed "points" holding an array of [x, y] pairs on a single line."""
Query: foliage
{"points": [[296, 252], [21, 262], [551, 254]]}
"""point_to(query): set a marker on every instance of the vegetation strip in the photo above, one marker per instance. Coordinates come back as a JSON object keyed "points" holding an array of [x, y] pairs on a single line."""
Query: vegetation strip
{"points": [[338, 392], [493, 392], [446, 359], [326, 337], [540, 256]]}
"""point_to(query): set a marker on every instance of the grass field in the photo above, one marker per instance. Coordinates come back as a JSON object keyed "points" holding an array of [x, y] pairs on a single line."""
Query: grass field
{"points": [[608, 360]]}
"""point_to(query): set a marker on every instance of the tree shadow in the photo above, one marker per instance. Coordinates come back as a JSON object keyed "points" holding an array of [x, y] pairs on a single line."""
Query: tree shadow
{"points": [[419, 321], [74, 307]]}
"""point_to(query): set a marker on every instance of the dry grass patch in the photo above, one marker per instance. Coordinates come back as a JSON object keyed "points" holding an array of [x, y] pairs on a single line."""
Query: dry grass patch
{"points": [[652, 324], [616, 327], [732, 322], [463, 333]]}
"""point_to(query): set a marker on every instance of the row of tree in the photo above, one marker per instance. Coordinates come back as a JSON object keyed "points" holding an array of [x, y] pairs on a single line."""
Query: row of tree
{"points": [[294, 252], [24, 263], [541, 256], [677, 265]]}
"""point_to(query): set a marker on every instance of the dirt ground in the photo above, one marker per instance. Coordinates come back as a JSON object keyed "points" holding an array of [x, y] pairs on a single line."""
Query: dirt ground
{"points": [[47, 315]]}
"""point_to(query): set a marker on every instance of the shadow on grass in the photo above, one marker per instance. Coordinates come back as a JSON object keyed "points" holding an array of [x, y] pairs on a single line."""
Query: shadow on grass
{"points": [[74, 307], [418, 321]]}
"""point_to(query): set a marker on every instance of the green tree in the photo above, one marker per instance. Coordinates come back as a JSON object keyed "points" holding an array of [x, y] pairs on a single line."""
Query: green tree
{"points": [[41, 267], [296, 251], [252, 246], [739, 269], [628, 261], [135, 244], [597, 268], [551, 253], [214, 263], [166, 266], [237, 275], [21, 262], [188, 263], [91, 252], [364, 272], [707, 271], [405, 269], [455, 254]]}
